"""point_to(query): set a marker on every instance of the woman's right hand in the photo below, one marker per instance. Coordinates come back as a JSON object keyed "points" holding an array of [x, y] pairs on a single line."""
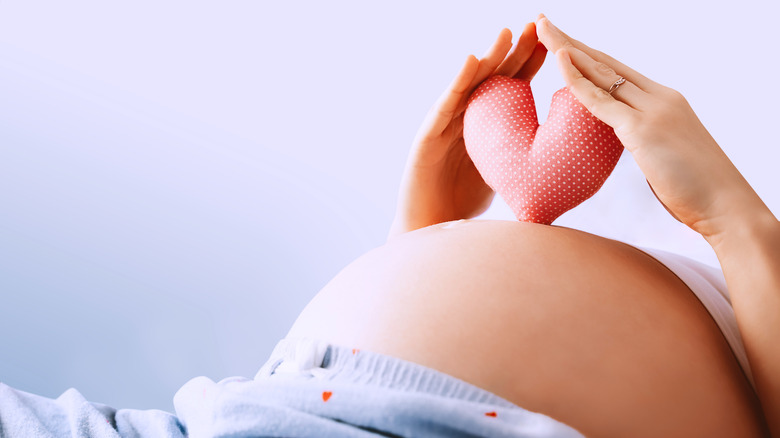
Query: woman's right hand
{"points": [[440, 182], [686, 169]]}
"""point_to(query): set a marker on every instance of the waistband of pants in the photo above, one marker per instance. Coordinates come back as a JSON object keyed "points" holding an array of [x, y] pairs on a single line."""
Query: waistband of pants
{"points": [[307, 358]]}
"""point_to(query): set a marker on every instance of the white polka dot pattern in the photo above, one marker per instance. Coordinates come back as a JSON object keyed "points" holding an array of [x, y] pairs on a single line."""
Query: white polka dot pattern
{"points": [[540, 171]]}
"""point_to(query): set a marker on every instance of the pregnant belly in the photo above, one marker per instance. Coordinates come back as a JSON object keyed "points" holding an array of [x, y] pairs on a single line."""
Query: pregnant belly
{"points": [[590, 331]]}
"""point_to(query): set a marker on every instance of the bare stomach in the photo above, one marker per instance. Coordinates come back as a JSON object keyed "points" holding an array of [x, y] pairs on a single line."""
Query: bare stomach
{"points": [[590, 331]]}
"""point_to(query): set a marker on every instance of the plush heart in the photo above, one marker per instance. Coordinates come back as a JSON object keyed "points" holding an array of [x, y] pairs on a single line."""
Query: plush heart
{"points": [[540, 171]]}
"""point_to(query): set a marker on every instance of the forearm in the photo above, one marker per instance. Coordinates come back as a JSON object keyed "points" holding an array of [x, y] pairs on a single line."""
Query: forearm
{"points": [[749, 254]]}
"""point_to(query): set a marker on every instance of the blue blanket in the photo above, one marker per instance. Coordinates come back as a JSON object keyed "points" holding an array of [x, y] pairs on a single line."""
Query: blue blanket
{"points": [[283, 408]]}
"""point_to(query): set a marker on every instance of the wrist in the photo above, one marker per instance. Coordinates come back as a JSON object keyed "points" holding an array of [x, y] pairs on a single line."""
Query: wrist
{"points": [[403, 225], [746, 227], [396, 228]]}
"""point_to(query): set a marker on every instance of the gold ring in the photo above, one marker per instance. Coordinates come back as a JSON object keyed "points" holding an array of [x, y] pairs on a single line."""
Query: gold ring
{"points": [[617, 83]]}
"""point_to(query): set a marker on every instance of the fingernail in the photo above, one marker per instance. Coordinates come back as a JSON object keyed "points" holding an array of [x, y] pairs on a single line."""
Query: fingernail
{"points": [[543, 18]]}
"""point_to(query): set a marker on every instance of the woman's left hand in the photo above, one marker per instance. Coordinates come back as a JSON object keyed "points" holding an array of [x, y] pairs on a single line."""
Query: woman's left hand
{"points": [[440, 182]]}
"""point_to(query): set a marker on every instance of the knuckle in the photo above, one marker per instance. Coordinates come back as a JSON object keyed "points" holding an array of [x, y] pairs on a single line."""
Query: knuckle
{"points": [[671, 105], [601, 94], [600, 98], [672, 95], [596, 109], [678, 98], [605, 69]]}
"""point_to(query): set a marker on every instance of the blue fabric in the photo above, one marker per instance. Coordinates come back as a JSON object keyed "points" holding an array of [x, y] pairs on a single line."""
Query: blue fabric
{"points": [[28, 415], [307, 388]]}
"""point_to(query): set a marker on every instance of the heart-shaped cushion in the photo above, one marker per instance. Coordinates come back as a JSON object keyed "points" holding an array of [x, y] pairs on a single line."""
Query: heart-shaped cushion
{"points": [[542, 171]]}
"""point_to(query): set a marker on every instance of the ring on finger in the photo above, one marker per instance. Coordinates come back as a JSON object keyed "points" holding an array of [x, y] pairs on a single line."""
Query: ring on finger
{"points": [[616, 84]]}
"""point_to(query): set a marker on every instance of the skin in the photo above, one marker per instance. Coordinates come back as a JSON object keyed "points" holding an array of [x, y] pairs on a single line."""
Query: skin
{"points": [[587, 330], [440, 182], [679, 158], [590, 331]]}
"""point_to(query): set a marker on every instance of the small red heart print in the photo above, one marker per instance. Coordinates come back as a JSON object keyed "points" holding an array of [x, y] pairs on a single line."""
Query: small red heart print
{"points": [[326, 395]]}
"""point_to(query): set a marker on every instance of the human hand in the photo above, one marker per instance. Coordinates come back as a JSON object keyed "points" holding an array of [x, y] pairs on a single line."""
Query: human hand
{"points": [[684, 166], [440, 182]]}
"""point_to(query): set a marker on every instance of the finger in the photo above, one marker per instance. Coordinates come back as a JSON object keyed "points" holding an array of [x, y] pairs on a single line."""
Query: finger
{"points": [[533, 64], [554, 39], [492, 59], [447, 105], [520, 53], [603, 76], [600, 103]]}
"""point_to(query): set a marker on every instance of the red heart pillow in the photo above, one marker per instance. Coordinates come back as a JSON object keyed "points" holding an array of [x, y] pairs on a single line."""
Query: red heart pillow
{"points": [[540, 171]]}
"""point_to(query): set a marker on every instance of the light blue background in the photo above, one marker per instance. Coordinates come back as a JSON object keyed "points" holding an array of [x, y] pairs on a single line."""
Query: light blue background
{"points": [[178, 179]]}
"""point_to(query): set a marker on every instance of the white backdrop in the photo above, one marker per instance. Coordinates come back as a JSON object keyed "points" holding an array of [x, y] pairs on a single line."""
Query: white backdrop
{"points": [[178, 179]]}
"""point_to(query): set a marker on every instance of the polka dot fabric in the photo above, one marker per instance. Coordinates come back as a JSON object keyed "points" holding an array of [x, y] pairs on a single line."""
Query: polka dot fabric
{"points": [[540, 171]]}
